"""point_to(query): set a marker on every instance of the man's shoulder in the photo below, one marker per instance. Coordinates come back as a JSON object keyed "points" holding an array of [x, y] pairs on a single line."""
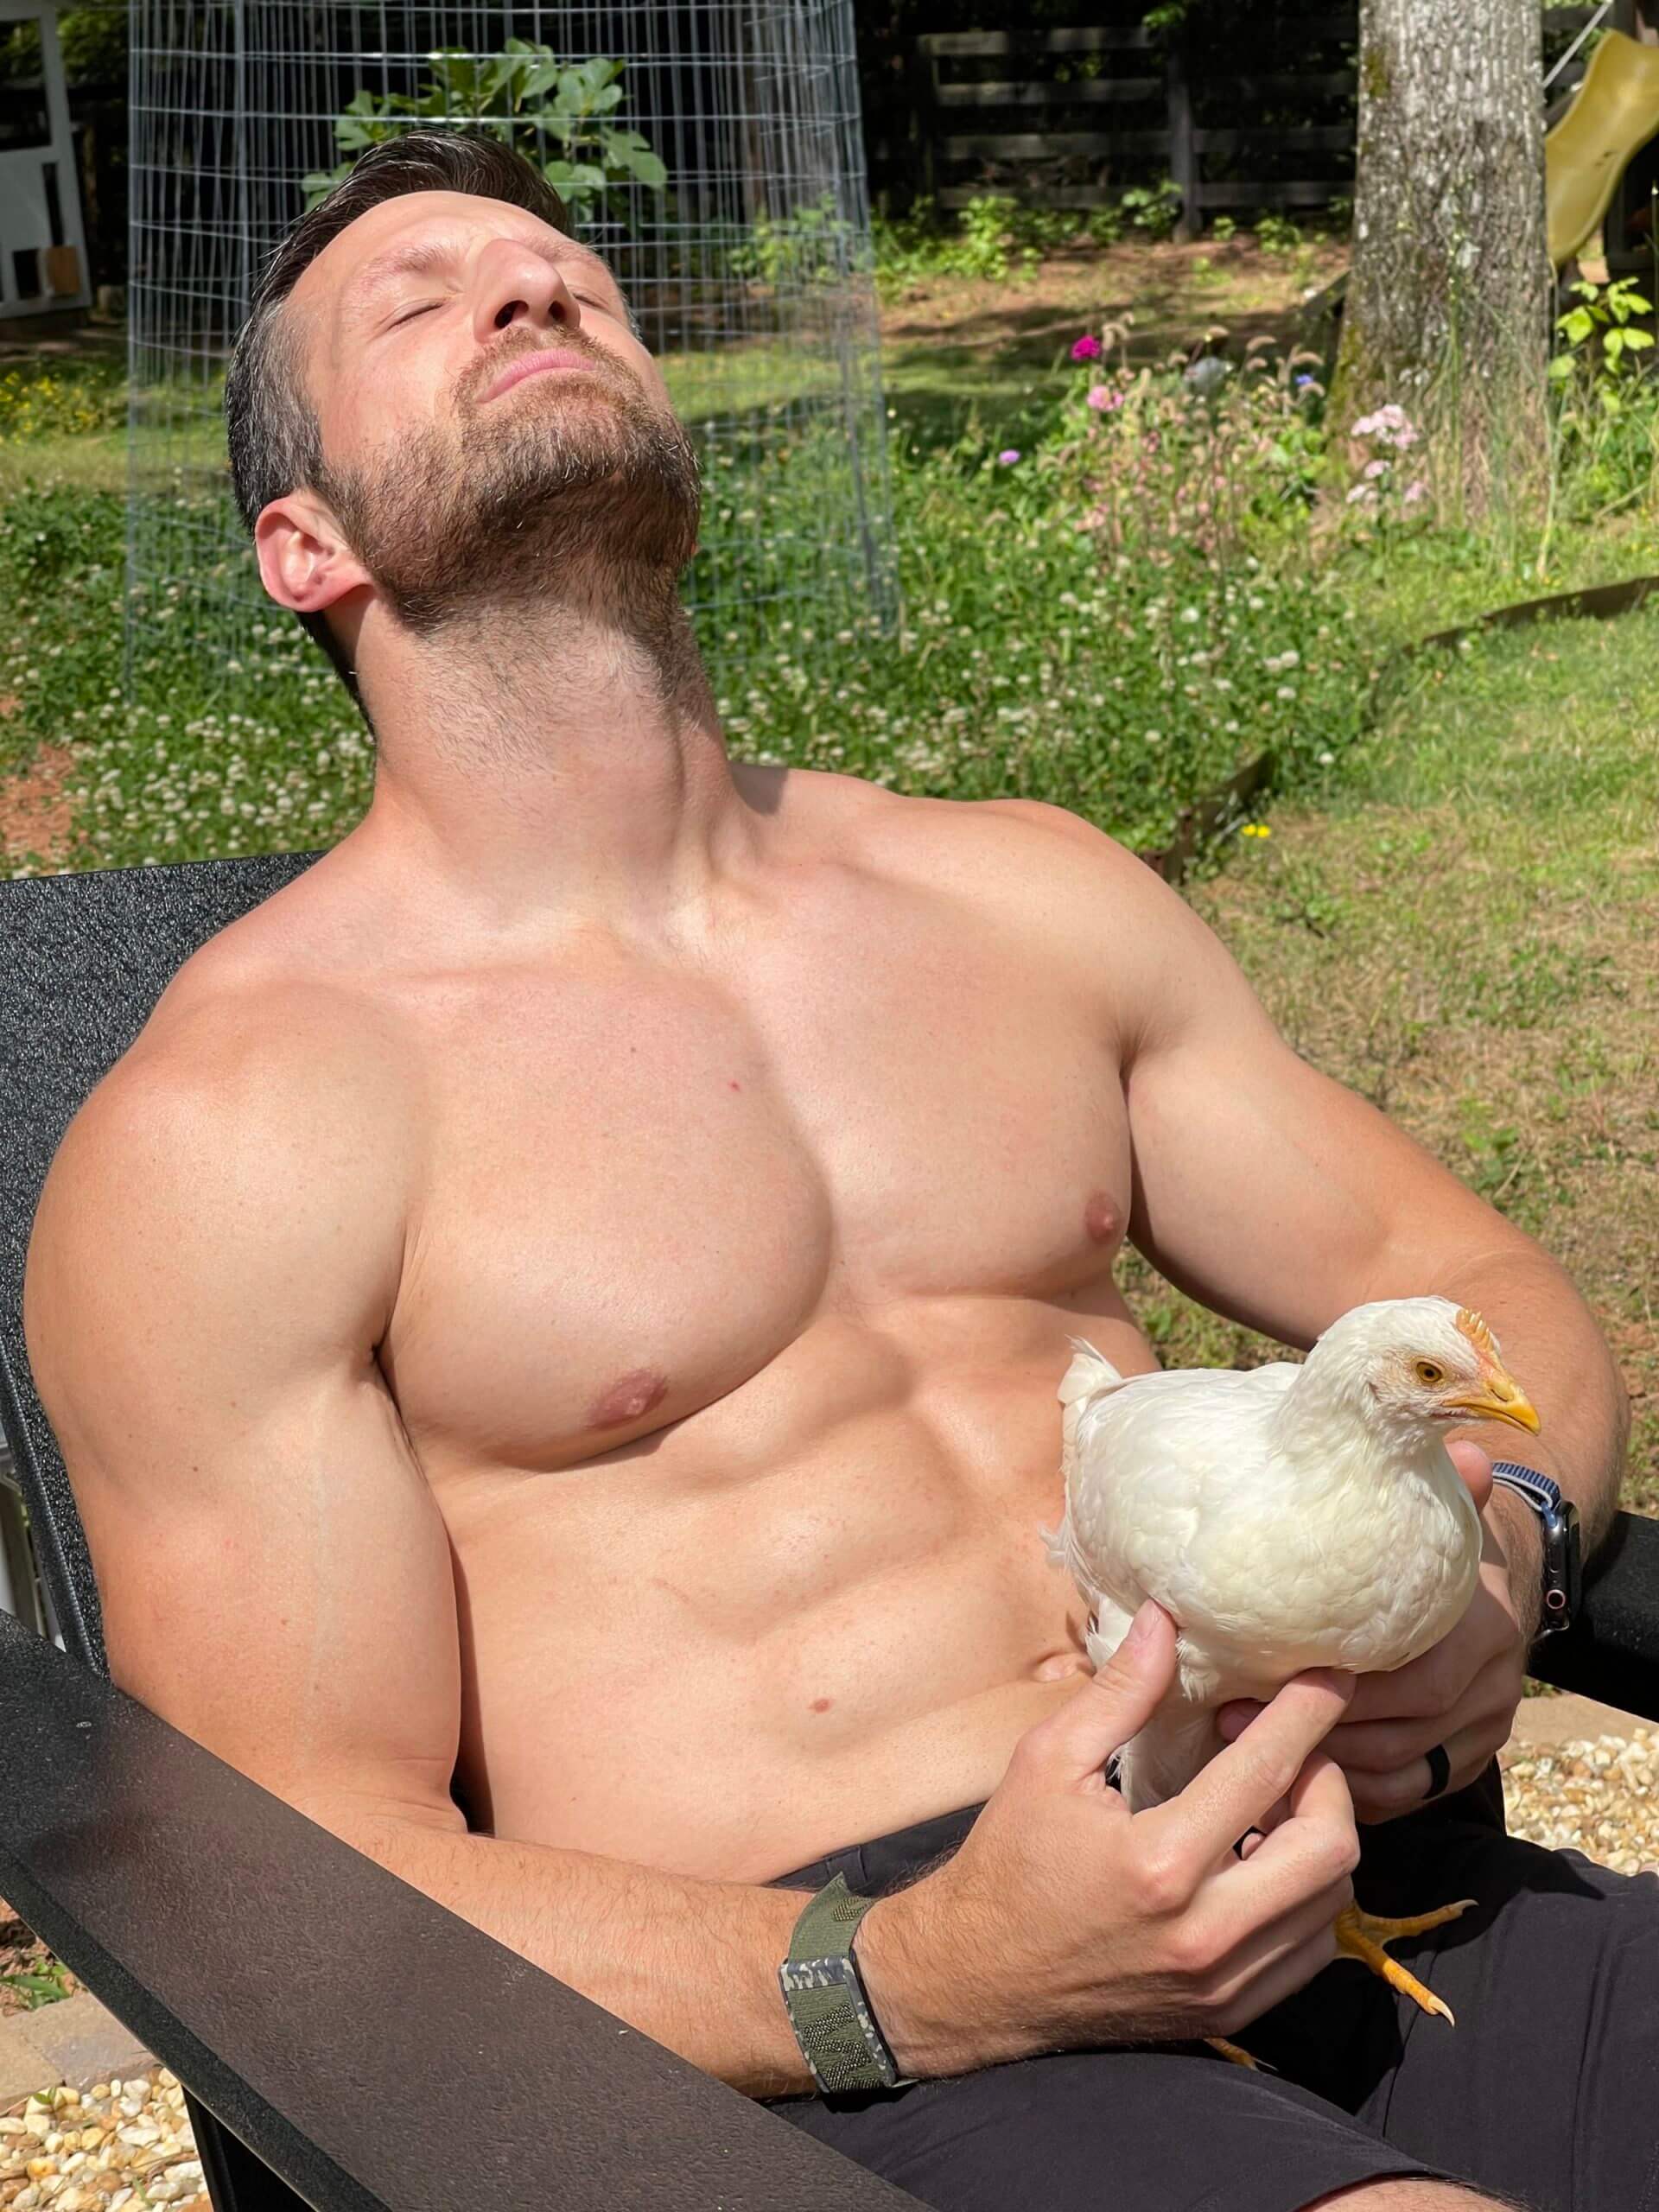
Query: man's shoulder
{"points": [[1042, 860], [243, 1041]]}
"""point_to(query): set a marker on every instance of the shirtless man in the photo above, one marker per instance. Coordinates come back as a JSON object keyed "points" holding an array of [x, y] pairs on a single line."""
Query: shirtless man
{"points": [[554, 1330]]}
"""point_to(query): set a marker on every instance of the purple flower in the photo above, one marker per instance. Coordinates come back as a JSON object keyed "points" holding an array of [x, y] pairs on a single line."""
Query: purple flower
{"points": [[1087, 349], [1008, 457]]}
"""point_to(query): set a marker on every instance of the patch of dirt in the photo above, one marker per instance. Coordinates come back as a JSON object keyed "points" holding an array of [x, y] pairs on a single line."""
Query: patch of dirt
{"points": [[36, 809], [1176, 292]]}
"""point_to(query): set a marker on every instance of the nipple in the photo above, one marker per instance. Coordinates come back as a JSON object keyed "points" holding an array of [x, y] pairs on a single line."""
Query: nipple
{"points": [[1101, 1220], [629, 1399]]}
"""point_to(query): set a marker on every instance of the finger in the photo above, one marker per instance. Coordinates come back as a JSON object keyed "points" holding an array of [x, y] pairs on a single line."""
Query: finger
{"points": [[1475, 1466], [1237, 1788], [1427, 1687], [1274, 1814], [1379, 1798], [1279, 1979], [1315, 1844], [1234, 1717], [1116, 1703], [1371, 1747], [1244, 1945], [1367, 1747], [1265, 1944]]}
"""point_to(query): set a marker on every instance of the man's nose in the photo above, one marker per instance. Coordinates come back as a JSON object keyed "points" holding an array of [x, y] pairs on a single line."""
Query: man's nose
{"points": [[518, 286]]}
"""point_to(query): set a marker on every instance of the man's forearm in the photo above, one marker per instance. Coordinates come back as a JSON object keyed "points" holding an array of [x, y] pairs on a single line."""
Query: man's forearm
{"points": [[1552, 1345], [691, 1964]]}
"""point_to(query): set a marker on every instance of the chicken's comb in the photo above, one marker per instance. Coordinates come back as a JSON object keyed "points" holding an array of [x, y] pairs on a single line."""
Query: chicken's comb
{"points": [[1477, 1330]]}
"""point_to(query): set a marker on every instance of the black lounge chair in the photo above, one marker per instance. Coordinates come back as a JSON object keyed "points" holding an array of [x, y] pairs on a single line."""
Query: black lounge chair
{"points": [[344, 2041]]}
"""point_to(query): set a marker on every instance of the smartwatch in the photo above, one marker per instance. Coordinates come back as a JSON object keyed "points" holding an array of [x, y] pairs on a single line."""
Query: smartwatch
{"points": [[1558, 1521], [824, 1996]]}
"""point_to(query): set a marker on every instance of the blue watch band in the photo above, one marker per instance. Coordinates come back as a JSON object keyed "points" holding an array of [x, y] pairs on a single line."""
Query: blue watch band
{"points": [[1537, 1489]]}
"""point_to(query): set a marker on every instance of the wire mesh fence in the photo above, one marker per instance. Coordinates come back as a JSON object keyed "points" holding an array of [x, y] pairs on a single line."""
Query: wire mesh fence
{"points": [[717, 165]]}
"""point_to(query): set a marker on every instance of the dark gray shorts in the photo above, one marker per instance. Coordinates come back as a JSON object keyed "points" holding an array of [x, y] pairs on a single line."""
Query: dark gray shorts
{"points": [[1546, 2093]]}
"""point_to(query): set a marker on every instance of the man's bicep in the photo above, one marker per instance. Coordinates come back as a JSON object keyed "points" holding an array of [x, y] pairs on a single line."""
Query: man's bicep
{"points": [[273, 1572], [1263, 1188]]}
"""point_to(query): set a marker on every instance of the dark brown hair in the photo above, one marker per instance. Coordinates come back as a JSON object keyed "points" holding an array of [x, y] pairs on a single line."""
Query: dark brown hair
{"points": [[276, 440]]}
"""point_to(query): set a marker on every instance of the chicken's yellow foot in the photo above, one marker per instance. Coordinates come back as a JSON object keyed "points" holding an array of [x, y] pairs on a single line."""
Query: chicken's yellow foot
{"points": [[1239, 2056], [1361, 1936]]}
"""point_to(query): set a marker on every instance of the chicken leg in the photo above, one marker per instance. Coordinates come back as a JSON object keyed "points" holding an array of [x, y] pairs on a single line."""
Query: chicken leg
{"points": [[1361, 1936]]}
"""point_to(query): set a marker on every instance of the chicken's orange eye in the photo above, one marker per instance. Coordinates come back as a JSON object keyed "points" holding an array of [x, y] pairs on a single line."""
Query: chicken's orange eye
{"points": [[1429, 1372]]}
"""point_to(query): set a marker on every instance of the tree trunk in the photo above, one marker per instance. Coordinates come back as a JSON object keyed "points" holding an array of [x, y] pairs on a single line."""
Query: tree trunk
{"points": [[1447, 307]]}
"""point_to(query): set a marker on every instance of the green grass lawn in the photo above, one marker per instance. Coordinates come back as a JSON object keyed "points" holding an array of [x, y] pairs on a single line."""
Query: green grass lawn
{"points": [[1464, 929]]}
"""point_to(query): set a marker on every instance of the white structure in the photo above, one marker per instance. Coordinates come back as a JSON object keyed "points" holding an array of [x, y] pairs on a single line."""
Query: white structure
{"points": [[42, 244], [751, 269]]}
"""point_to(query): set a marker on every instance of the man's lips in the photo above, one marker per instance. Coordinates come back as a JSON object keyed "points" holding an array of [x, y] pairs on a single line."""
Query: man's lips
{"points": [[530, 365]]}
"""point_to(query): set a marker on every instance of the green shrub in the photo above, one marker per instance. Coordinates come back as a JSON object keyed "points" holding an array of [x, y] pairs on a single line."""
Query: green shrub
{"points": [[524, 95], [1277, 235], [815, 244], [1154, 209]]}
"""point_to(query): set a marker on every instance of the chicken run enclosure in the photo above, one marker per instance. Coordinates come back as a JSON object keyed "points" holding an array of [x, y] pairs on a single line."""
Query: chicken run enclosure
{"points": [[711, 152]]}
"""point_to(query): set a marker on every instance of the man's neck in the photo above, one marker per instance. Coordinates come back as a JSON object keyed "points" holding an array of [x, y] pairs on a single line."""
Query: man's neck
{"points": [[548, 768]]}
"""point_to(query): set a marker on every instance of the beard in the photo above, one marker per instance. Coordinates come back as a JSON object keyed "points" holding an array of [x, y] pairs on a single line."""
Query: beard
{"points": [[573, 486]]}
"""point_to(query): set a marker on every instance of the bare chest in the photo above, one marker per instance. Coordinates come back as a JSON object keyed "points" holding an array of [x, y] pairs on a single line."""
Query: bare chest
{"points": [[642, 1187]]}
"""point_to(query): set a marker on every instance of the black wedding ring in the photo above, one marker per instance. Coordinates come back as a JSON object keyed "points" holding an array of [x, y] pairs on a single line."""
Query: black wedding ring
{"points": [[1439, 1770]]}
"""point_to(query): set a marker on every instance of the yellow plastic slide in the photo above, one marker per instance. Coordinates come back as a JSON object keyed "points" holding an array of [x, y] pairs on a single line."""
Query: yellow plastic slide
{"points": [[1614, 112]]}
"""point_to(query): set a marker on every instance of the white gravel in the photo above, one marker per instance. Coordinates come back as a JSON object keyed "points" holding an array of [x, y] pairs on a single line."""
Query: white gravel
{"points": [[1599, 1795], [119, 2143]]}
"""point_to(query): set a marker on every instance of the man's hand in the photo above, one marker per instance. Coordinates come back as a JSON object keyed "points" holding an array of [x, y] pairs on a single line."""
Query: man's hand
{"points": [[1065, 1920], [1463, 1694]]}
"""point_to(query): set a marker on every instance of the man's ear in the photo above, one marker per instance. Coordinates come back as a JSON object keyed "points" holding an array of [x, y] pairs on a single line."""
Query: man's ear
{"points": [[304, 561]]}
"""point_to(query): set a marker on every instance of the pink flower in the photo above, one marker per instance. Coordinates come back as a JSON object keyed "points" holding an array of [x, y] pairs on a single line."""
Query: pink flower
{"points": [[1391, 424], [1009, 457], [1103, 399], [1087, 349]]}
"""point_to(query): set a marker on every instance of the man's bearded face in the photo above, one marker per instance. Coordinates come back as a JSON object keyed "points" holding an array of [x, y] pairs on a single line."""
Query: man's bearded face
{"points": [[453, 492], [569, 470]]}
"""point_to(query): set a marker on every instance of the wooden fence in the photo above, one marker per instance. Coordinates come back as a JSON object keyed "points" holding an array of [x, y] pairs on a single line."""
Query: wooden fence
{"points": [[1067, 117]]}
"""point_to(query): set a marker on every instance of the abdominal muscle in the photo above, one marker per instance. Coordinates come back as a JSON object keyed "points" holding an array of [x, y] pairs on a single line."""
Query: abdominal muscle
{"points": [[727, 1649]]}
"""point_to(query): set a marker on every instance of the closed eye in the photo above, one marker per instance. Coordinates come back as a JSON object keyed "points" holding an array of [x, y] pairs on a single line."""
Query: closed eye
{"points": [[410, 314]]}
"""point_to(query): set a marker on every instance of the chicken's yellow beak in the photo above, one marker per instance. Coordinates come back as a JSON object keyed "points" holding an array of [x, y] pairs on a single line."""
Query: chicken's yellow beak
{"points": [[1502, 1399]]}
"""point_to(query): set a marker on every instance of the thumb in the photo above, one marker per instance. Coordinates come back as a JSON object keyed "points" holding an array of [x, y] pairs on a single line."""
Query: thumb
{"points": [[1078, 1739], [1474, 1465]]}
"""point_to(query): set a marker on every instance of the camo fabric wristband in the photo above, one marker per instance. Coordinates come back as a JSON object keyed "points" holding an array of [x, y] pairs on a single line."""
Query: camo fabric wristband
{"points": [[825, 1997]]}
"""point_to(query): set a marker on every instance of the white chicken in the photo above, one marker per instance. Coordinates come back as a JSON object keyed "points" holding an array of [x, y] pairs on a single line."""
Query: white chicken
{"points": [[1287, 1516]]}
